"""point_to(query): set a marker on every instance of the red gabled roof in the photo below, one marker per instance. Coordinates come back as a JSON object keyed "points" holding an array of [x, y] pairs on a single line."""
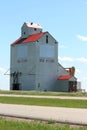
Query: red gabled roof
{"points": [[64, 77], [34, 37], [18, 41], [31, 38]]}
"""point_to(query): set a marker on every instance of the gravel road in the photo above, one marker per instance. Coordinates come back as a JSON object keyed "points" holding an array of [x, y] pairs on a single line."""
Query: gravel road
{"points": [[39, 96], [70, 115]]}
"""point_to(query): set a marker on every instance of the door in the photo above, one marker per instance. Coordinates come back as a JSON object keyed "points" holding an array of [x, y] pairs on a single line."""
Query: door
{"points": [[16, 86], [72, 86]]}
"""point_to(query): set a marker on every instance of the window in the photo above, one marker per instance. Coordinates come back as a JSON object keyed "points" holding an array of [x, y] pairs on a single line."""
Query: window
{"points": [[46, 38], [35, 29], [22, 52], [47, 51]]}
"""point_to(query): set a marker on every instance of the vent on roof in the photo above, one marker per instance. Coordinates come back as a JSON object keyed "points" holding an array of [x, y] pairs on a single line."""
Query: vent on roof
{"points": [[31, 23], [35, 29]]}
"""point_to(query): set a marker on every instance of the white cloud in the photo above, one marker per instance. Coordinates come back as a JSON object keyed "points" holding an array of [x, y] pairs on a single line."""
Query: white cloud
{"points": [[78, 71], [65, 58], [82, 59], [4, 79], [2, 69], [70, 59], [82, 38], [63, 46], [84, 78]]}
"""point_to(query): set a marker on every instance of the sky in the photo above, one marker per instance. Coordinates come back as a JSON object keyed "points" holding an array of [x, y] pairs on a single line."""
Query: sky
{"points": [[65, 20]]}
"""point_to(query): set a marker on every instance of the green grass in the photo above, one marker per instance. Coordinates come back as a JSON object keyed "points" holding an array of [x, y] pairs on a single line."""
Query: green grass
{"points": [[17, 125], [45, 102], [77, 94]]}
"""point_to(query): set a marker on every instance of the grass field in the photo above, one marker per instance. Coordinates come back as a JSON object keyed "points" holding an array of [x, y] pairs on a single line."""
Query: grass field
{"points": [[77, 94], [45, 102], [35, 125]]}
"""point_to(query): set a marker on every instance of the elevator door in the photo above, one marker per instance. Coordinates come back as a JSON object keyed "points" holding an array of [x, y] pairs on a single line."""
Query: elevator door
{"points": [[16, 86]]}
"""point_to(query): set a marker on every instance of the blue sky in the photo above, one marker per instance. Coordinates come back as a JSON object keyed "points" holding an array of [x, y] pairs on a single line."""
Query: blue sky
{"points": [[65, 20]]}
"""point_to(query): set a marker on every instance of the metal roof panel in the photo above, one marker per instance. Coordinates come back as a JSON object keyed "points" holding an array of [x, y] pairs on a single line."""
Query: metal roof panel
{"points": [[31, 38], [64, 77]]}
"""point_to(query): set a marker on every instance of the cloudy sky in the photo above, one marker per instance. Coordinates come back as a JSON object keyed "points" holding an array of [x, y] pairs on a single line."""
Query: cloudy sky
{"points": [[65, 20]]}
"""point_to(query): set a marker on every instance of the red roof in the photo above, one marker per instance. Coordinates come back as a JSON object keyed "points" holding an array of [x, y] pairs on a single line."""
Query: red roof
{"points": [[64, 77], [31, 38]]}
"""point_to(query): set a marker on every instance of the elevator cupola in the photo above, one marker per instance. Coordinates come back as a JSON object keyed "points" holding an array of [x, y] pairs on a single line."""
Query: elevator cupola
{"points": [[29, 29]]}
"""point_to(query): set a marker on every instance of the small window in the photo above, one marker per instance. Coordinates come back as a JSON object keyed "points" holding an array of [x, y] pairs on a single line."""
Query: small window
{"points": [[38, 85], [35, 29], [46, 38], [24, 32]]}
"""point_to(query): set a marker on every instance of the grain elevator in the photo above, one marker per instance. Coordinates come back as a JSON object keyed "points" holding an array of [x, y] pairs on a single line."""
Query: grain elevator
{"points": [[34, 59], [34, 62]]}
